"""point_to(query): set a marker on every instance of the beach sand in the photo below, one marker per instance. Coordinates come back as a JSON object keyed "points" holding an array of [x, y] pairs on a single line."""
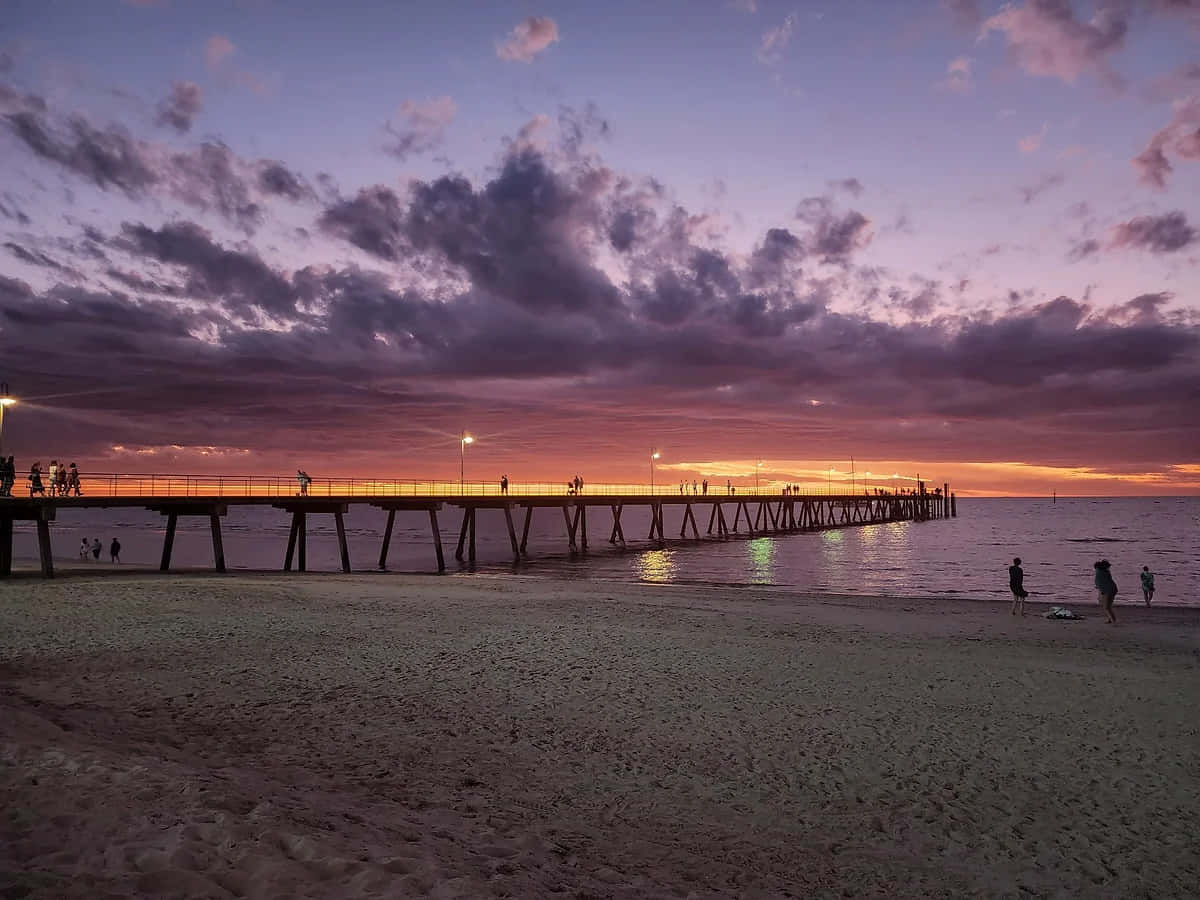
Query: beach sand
{"points": [[341, 736]]}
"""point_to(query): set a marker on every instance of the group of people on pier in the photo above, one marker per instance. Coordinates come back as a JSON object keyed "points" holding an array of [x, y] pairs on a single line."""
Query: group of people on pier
{"points": [[1106, 587], [61, 480]]}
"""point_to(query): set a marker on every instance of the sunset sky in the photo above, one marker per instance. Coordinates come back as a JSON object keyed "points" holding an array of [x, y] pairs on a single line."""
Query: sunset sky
{"points": [[960, 238]]}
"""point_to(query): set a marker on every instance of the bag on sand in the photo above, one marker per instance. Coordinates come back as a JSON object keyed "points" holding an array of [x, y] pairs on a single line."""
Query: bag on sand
{"points": [[1061, 612]]}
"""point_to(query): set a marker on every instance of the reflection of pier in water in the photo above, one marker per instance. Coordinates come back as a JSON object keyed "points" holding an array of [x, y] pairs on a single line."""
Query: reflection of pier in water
{"points": [[730, 514]]}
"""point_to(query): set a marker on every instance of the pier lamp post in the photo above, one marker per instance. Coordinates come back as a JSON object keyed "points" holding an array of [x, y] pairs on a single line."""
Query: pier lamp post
{"points": [[654, 454], [829, 482], [462, 461], [5, 401], [757, 466]]}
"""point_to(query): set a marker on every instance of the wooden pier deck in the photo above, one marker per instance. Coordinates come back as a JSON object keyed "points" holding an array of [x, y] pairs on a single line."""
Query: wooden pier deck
{"points": [[731, 514]]}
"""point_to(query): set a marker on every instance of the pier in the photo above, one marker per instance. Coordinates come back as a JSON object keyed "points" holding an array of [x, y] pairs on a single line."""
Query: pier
{"points": [[730, 513]]}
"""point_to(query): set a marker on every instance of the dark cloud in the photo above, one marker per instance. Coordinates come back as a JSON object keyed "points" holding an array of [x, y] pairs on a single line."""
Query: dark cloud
{"points": [[371, 221], [277, 180], [106, 157], [237, 279], [40, 259], [10, 211], [181, 106], [579, 126], [851, 186], [1083, 249], [835, 236], [1159, 234], [210, 178]]}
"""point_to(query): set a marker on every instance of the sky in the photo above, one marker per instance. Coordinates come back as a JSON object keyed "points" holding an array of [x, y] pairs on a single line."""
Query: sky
{"points": [[945, 237]]}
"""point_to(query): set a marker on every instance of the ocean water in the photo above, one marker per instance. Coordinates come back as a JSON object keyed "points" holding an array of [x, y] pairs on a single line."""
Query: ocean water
{"points": [[963, 557]]}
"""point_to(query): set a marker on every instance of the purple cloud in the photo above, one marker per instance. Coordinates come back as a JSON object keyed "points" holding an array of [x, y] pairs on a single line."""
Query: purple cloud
{"points": [[1158, 234], [1045, 38], [1181, 135], [419, 127], [181, 106]]}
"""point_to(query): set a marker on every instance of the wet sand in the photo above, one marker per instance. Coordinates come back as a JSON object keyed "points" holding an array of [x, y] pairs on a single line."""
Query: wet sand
{"points": [[406, 736]]}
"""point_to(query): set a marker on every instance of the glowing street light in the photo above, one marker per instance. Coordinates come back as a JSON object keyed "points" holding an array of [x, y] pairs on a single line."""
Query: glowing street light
{"points": [[654, 454], [5, 401], [462, 461]]}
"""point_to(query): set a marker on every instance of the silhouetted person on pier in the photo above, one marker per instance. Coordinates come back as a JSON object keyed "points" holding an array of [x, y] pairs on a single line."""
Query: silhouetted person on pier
{"points": [[35, 480], [73, 484], [97, 547], [728, 486], [114, 550], [304, 481], [62, 481], [694, 490], [1147, 584], [570, 487], [504, 484], [704, 486], [1016, 584], [1106, 588], [52, 479], [8, 474], [578, 483]]}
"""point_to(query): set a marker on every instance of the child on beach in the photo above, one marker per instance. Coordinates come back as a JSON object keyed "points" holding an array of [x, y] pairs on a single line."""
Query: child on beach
{"points": [[1016, 583], [1147, 584], [1107, 589]]}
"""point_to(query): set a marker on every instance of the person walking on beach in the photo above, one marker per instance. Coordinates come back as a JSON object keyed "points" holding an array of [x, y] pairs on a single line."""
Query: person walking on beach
{"points": [[114, 550], [97, 547], [1147, 584], [1016, 584], [85, 549], [1107, 589]]}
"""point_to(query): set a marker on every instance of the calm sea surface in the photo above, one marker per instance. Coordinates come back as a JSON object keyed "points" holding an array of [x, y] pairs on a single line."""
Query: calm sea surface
{"points": [[967, 556]]}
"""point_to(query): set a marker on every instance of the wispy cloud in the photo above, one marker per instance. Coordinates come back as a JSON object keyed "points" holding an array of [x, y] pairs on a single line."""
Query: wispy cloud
{"points": [[775, 40]]}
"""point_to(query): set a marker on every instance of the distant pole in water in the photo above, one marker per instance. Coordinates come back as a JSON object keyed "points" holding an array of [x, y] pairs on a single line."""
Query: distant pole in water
{"points": [[1054, 496]]}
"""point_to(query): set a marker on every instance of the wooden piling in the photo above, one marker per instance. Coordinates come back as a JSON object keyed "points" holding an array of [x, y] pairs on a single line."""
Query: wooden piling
{"points": [[214, 524], [437, 539], [462, 533], [525, 530], [342, 546], [45, 554], [168, 543], [512, 532]]}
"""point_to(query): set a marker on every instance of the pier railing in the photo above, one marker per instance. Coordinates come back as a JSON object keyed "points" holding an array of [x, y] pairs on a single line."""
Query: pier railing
{"points": [[125, 484]]}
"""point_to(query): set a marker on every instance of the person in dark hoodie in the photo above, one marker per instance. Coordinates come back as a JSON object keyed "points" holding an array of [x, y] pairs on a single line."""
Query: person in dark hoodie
{"points": [[1107, 589], [1016, 584]]}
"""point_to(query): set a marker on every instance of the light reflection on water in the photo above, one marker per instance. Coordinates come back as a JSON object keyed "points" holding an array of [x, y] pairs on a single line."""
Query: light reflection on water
{"points": [[657, 565], [762, 556]]}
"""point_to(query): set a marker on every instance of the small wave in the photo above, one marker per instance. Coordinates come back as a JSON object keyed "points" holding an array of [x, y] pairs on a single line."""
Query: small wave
{"points": [[1100, 541]]}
